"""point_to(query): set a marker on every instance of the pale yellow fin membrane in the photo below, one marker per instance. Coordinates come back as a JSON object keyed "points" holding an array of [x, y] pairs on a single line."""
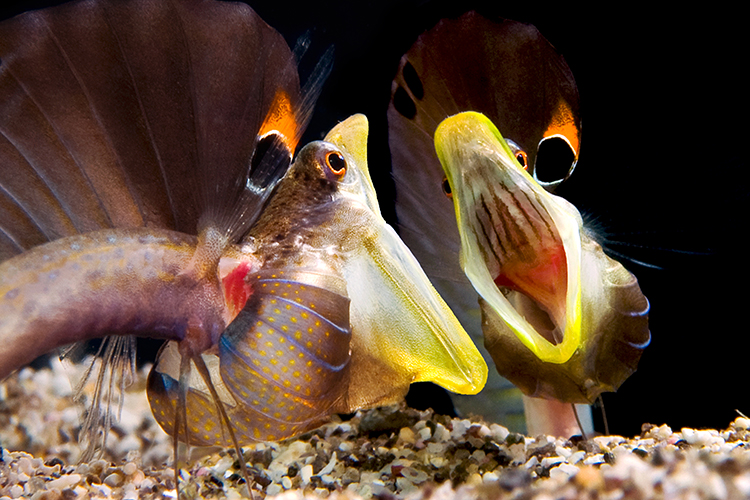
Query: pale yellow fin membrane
{"points": [[402, 329]]}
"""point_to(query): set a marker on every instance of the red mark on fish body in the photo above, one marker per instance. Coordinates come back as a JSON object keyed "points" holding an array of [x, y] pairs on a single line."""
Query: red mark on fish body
{"points": [[236, 289]]}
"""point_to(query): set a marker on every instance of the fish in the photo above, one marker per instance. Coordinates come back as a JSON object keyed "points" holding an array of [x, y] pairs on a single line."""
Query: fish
{"points": [[481, 133], [147, 188]]}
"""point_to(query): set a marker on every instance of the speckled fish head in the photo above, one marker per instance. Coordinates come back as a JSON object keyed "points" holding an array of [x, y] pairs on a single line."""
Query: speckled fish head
{"points": [[560, 318]]}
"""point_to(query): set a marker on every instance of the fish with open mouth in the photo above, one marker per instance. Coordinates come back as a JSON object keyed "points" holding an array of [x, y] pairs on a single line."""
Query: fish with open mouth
{"points": [[484, 123]]}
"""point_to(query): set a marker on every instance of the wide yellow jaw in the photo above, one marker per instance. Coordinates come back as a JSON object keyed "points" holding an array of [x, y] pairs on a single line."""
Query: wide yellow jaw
{"points": [[402, 329], [520, 245]]}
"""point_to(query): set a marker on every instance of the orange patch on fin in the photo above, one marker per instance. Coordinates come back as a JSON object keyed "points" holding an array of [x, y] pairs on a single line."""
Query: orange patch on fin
{"points": [[563, 125], [282, 120]]}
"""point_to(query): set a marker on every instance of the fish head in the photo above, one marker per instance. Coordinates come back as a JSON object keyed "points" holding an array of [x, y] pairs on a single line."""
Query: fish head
{"points": [[560, 318], [402, 330]]}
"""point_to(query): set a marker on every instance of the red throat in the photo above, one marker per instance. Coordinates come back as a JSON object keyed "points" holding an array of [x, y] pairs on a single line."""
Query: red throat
{"points": [[543, 279]]}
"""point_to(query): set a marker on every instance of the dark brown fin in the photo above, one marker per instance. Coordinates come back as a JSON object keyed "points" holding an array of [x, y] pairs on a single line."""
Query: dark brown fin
{"points": [[119, 114]]}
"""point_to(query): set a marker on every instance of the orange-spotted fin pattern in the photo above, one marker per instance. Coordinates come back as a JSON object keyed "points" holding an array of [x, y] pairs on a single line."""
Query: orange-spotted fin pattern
{"points": [[284, 364]]}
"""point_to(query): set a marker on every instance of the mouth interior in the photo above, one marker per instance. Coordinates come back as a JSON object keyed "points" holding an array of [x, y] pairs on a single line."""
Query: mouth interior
{"points": [[536, 285]]}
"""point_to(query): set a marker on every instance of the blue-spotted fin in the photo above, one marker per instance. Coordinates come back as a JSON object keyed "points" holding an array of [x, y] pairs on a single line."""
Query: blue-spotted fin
{"points": [[341, 315], [509, 72]]}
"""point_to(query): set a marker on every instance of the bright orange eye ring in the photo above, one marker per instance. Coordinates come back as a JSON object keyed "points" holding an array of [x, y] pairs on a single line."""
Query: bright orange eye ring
{"points": [[336, 163], [523, 159]]}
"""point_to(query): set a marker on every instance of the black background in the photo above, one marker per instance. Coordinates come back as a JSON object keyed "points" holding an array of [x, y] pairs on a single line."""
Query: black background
{"points": [[664, 105]]}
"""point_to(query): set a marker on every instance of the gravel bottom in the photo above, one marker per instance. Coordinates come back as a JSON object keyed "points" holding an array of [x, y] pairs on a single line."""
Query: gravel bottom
{"points": [[392, 452]]}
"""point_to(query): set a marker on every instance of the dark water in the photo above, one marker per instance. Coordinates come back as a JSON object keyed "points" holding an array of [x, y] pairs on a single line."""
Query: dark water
{"points": [[662, 165]]}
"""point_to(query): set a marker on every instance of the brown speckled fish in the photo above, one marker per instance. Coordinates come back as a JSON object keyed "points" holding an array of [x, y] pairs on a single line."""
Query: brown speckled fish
{"points": [[560, 319], [140, 142]]}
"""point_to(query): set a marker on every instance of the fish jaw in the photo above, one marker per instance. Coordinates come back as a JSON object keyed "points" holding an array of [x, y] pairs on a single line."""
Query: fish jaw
{"points": [[514, 235], [560, 318], [402, 329]]}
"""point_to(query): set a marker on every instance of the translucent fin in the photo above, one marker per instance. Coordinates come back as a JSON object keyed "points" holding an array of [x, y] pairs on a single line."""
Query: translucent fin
{"points": [[110, 371]]}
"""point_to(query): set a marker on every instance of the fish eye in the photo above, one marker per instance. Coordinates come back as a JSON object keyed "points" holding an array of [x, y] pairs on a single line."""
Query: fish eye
{"points": [[523, 159], [520, 155], [336, 163], [447, 188], [555, 160]]}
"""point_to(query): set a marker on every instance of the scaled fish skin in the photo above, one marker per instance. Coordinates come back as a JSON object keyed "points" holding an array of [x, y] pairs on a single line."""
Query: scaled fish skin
{"points": [[140, 142]]}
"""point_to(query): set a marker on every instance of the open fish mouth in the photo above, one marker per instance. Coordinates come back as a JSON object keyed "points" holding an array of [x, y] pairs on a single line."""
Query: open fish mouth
{"points": [[549, 295]]}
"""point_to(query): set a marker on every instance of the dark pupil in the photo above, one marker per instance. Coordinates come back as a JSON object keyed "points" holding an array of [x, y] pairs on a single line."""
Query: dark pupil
{"points": [[446, 186], [521, 159], [336, 161]]}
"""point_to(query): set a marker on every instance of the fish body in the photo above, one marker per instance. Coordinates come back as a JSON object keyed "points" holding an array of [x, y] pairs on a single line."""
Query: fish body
{"points": [[144, 149], [554, 311], [340, 315]]}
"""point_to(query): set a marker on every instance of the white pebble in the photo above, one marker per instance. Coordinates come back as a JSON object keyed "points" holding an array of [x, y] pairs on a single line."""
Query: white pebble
{"points": [[273, 489], [563, 471], [550, 461], [441, 434], [286, 482], [414, 475], [742, 423], [425, 433], [15, 491], [328, 468], [327, 479], [24, 465], [499, 432], [459, 428], [563, 451], [306, 473], [594, 459], [129, 468], [64, 481], [490, 477], [698, 438], [405, 486]]}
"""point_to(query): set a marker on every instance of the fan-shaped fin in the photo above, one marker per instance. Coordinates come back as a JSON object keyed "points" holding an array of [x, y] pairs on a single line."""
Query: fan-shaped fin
{"points": [[141, 112]]}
